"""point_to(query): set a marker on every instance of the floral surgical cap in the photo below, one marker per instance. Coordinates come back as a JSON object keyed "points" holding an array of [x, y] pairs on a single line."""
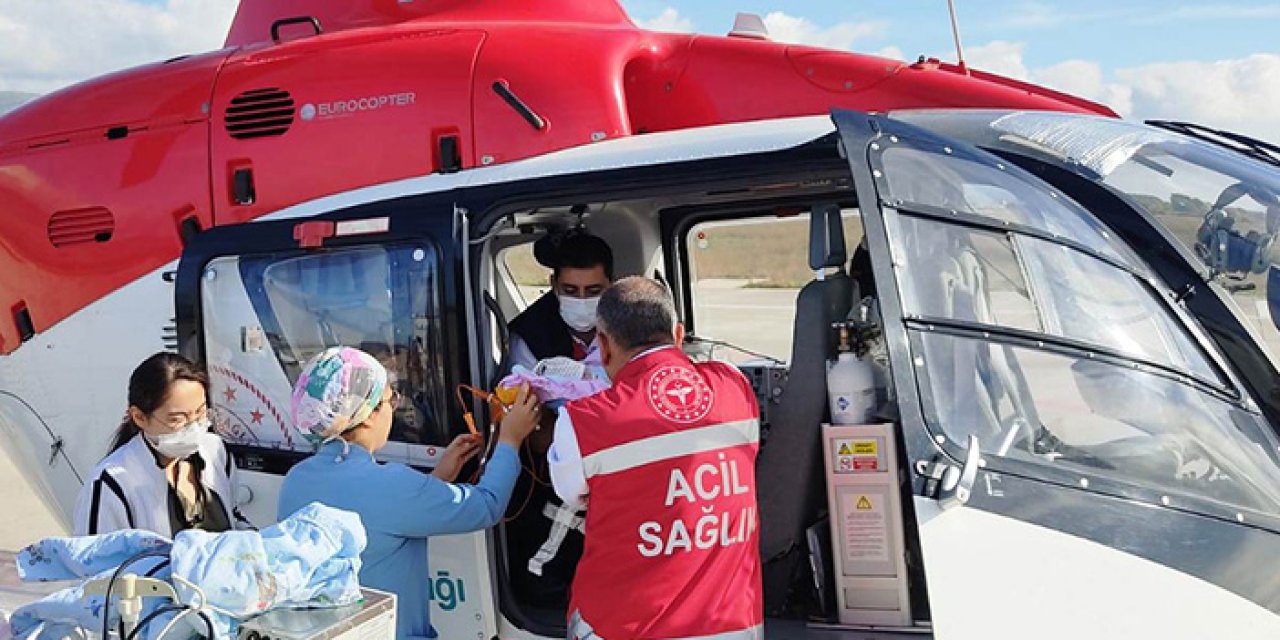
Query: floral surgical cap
{"points": [[337, 391]]}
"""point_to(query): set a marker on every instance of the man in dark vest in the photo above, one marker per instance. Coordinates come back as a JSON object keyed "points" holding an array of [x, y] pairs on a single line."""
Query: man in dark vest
{"points": [[544, 539], [562, 322]]}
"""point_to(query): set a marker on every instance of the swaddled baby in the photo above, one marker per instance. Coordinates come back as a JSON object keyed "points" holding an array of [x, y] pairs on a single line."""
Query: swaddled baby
{"points": [[558, 380]]}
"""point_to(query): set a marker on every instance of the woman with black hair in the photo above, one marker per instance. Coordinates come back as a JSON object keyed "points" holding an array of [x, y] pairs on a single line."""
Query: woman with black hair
{"points": [[166, 471]]}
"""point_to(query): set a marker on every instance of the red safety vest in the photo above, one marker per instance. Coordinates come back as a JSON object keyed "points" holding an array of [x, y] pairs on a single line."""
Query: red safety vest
{"points": [[671, 551]]}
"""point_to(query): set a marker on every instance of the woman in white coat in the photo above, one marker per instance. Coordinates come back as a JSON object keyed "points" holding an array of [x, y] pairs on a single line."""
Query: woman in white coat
{"points": [[166, 471]]}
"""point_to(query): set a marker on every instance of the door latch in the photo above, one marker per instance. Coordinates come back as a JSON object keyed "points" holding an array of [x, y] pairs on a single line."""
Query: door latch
{"points": [[949, 485]]}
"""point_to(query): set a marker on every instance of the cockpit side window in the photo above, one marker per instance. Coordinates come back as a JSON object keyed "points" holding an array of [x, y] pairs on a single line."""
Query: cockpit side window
{"points": [[1024, 283], [1033, 328], [953, 182], [1098, 416]]}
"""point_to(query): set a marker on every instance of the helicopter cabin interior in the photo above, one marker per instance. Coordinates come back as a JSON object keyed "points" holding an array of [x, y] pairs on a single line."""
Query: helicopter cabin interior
{"points": [[694, 242]]}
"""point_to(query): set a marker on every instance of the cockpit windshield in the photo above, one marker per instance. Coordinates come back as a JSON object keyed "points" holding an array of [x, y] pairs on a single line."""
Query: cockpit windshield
{"points": [[1221, 205]]}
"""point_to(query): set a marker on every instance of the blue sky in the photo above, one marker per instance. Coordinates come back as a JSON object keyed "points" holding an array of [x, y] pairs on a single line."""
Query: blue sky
{"points": [[1211, 62]]}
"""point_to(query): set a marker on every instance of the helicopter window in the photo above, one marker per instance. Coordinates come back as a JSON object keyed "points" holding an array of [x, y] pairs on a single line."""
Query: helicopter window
{"points": [[1223, 208], [265, 316], [951, 181], [531, 279], [1089, 300], [964, 274], [1105, 417], [1020, 282], [746, 274]]}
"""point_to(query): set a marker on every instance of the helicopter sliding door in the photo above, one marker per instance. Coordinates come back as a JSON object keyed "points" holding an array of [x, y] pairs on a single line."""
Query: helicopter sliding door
{"points": [[1119, 482]]}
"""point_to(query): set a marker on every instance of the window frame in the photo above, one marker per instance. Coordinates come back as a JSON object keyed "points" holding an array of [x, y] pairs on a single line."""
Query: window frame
{"points": [[392, 250], [1226, 390], [412, 220], [1094, 480], [679, 235]]}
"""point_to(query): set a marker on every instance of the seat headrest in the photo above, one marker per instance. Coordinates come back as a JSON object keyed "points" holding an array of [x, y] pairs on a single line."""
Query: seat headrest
{"points": [[826, 237]]}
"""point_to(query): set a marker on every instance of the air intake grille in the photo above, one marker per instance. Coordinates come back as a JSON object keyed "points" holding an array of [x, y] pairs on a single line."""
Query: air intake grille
{"points": [[81, 226], [260, 113]]}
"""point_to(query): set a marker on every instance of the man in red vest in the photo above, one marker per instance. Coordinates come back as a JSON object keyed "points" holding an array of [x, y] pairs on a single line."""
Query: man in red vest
{"points": [[665, 461]]}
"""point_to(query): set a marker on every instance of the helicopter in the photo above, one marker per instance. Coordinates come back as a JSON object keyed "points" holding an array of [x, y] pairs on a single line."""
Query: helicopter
{"points": [[1074, 442]]}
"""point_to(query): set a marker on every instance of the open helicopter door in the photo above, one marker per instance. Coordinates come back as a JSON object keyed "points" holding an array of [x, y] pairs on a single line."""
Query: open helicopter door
{"points": [[1082, 463], [256, 301]]}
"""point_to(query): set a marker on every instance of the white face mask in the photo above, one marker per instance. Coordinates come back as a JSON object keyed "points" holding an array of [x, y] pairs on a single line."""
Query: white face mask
{"points": [[579, 313], [181, 443]]}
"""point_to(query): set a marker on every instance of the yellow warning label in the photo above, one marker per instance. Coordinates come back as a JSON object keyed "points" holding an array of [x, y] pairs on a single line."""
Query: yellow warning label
{"points": [[864, 503], [864, 447], [844, 449]]}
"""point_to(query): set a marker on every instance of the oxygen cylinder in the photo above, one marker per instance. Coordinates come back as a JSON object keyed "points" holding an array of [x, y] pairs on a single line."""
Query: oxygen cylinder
{"points": [[851, 385]]}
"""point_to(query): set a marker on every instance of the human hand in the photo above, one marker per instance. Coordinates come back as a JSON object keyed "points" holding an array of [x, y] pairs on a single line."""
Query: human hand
{"points": [[521, 419], [462, 449]]}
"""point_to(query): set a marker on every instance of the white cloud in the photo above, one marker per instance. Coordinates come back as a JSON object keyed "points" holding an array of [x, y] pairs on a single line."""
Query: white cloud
{"points": [[1241, 94], [1085, 79], [47, 44], [668, 20], [1000, 57], [890, 52], [783, 27], [798, 30]]}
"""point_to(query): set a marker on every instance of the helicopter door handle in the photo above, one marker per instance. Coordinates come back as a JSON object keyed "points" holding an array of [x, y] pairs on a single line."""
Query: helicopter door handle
{"points": [[949, 485], [285, 22]]}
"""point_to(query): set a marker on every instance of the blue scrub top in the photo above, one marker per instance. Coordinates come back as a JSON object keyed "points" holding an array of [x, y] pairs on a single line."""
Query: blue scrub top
{"points": [[400, 508]]}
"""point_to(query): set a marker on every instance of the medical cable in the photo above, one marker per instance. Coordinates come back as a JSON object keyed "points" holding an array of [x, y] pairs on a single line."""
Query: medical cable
{"points": [[480, 394], [106, 605], [147, 619], [203, 599], [534, 481], [184, 610], [495, 403], [491, 442], [156, 569]]}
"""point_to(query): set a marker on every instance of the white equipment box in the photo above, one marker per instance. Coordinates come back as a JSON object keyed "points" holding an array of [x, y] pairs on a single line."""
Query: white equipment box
{"points": [[373, 619], [866, 525]]}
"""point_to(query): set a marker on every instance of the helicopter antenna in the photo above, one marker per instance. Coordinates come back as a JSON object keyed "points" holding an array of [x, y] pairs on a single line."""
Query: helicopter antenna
{"points": [[955, 33]]}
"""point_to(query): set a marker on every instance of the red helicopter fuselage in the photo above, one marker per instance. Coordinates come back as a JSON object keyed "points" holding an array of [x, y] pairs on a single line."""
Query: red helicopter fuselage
{"points": [[101, 182]]}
